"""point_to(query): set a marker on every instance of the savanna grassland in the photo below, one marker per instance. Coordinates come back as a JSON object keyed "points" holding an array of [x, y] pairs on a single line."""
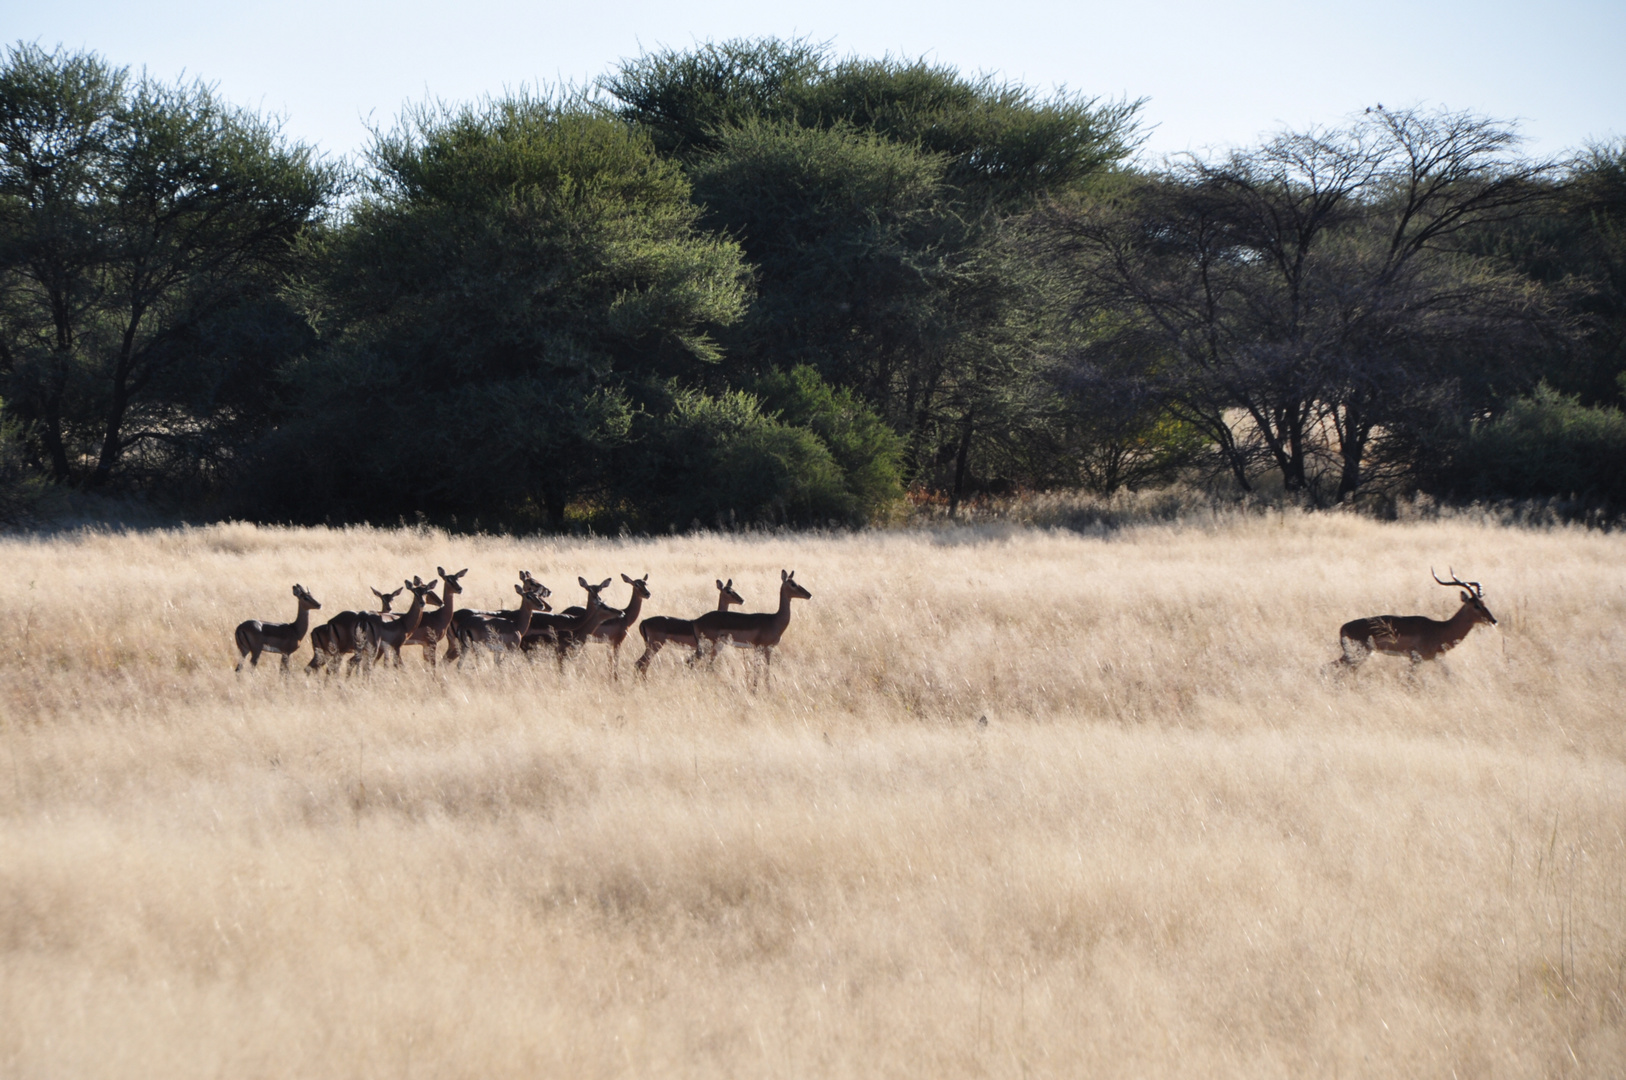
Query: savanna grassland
{"points": [[1178, 845]]}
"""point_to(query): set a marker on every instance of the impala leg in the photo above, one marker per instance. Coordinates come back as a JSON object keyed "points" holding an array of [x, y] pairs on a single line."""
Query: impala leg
{"points": [[642, 663], [285, 663]]}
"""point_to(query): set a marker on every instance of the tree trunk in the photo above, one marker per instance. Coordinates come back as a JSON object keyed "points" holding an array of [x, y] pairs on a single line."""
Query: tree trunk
{"points": [[112, 443], [960, 464], [553, 501], [1351, 448], [51, 436]]}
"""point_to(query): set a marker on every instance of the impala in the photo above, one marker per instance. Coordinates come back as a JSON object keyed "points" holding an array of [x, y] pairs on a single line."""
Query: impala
{"points": [[376, 631], [502, 630], [437, 625], [564, 632], [1416, 636], [660, 630], [751, 630], [255, 637], [337, 636], [613, 631]]}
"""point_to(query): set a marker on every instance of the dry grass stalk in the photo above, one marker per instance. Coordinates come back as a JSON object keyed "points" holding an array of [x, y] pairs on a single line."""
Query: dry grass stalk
{"points": [[1177, 846]]}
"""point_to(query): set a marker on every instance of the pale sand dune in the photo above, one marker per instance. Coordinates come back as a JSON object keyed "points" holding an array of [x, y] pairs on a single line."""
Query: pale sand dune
{"points": [[1177, 847]]}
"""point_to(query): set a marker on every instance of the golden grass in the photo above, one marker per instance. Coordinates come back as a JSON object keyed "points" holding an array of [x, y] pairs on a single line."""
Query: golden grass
{"points": [[1177, 846]]}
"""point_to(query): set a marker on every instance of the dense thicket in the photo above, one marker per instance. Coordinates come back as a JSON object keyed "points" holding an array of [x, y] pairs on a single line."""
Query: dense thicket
{"points": [[754, 282], [145, 230]]}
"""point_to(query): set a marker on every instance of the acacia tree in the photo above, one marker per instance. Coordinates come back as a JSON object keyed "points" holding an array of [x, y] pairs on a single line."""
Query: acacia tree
{"points": [[140, 225], [870, 196], [1320, 279], [517, 274]]}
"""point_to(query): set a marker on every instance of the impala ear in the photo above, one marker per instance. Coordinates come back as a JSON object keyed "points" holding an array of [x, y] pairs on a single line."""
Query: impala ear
{"points": [[605, 584], [519, 590], [1466, 598], [583, 582], [460, 573], [627, 579], [784, 575], [297, 590], [721, 586]]}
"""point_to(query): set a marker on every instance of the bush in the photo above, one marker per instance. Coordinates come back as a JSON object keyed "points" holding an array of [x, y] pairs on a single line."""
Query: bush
{"points": [[868, 451], [722, 461], [1544, 444]]}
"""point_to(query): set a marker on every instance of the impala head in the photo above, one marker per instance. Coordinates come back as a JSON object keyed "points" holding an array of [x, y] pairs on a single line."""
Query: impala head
{"points": [[451, 580], [593, 600], [787, 583], [385, 598], [306, 600], [639, 585], [533, 590], [727, 590], [421, 589], [1473, 595]]}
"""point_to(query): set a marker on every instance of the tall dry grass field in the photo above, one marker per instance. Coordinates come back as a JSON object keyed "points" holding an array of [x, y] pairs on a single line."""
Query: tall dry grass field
{"points": [[1178, 845]]}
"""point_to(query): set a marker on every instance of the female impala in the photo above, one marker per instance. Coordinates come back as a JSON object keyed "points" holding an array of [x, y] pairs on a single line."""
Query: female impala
{"points": [[500, 631], [437, 627], [660, 630], [751, 630], [565, 632], [255, 637], [375, 630], [337, 636], [1416, 636], [613, 631]]}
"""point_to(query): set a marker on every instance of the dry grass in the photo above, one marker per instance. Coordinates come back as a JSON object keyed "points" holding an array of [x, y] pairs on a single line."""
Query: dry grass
{"points": [[1178, 846]]}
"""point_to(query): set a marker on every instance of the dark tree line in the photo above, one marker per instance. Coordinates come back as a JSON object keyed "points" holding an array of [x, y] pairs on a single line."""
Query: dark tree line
{"points": [[756, 282]]}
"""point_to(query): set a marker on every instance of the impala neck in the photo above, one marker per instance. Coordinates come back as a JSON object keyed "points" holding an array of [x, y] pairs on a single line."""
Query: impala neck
{"points": [[528, 606], [781, 617], [302, 622], [442, 618], [593, 618], [1462, 622], [413, 615], [634, 606]]}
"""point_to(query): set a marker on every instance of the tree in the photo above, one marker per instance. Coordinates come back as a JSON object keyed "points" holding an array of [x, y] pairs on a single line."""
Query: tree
{"points": [[1320, 281], [870, 196], [140, 225], [516, 275]]}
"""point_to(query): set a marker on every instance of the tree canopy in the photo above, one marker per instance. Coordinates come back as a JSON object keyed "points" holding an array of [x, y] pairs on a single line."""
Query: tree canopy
{"points": [[757, 282]]}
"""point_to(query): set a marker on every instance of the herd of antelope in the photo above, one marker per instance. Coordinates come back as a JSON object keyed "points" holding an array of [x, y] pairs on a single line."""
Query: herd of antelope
{"points": [[366, 635]]}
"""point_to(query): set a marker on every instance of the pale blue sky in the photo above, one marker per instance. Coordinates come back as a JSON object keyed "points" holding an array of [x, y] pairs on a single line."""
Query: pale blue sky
{"points": [[1214, 73]]}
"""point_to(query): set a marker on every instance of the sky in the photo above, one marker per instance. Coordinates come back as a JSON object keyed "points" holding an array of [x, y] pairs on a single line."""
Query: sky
{"points": [[1213, 74]]}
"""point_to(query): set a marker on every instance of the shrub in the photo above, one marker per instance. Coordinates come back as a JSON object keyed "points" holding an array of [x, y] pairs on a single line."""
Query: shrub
{"points": [[1544, 444], [868, 451], [722, 460]]}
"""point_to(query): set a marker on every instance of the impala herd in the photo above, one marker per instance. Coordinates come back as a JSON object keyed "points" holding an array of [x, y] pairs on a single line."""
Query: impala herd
{"points": [[364, 636]]}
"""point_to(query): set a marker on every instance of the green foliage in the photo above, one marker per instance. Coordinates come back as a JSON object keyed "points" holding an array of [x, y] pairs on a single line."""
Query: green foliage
{"points": [[869, 453], [1003, 143], [1544, 444], [515, 274], [871, 196], [142, 225], [846, 231], [721, 460]]}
